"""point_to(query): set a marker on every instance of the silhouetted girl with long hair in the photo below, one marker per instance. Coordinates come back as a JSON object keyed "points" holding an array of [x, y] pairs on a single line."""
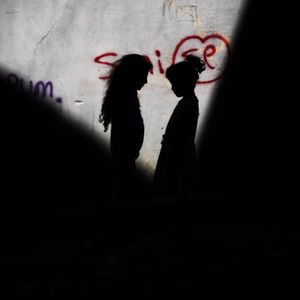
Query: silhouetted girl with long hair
{"points": [[121, 110], [175, 170]]}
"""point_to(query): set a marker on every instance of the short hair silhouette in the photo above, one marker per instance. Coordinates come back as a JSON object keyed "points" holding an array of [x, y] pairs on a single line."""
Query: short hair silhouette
{"points": [[125, 76], [175, 169], [186, 72]]}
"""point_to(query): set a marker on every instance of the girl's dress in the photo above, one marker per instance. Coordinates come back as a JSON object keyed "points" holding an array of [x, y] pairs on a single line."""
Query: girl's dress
{"points": [[176, 166], [127, 135]]}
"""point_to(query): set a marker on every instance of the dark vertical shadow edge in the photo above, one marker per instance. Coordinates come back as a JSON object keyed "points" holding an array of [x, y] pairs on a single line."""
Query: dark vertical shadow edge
{"points": [[248, 156]]}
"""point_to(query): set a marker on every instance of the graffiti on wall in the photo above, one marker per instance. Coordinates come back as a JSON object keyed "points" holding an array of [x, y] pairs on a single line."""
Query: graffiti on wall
{"points": [[40, 88], [209, 47]]}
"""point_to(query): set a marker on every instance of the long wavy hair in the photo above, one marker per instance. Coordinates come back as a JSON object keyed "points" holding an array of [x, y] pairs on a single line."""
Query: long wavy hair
{"points": [[123, 78]]}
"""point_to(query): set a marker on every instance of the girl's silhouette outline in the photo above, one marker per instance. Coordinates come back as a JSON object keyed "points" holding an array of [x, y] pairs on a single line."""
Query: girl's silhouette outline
{"points": [[121, 110], [176, 165]]}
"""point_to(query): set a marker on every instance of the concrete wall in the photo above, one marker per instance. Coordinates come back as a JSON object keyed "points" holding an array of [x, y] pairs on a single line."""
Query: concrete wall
{"points": [[64, 43]]}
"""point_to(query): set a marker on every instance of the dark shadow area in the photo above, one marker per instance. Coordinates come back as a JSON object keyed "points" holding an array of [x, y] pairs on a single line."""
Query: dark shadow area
{"points": [[53, 173], [47, 161], [56, 184], [248, 170], [240, 240], [249, 151]]}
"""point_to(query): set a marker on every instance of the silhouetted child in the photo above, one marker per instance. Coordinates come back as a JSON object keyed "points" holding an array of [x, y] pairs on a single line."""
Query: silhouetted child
{"points": [[175, 170], [121, 109]]}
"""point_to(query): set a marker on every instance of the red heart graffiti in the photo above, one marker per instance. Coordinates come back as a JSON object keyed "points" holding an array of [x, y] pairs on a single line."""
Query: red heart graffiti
{"points": [[208, 51]]}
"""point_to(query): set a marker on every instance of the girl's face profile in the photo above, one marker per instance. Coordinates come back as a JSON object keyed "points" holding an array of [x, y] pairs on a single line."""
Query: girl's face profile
{"points": [[176, 87], [141, 79], [182, 87]]}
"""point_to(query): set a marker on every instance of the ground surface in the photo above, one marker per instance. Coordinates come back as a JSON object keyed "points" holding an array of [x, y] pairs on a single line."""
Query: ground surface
{"points": [[72, 252]]}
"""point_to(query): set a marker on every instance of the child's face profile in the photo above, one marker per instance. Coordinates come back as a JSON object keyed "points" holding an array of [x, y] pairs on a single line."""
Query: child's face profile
{"points": [[182, 87], [176, 87], [141, 80]]}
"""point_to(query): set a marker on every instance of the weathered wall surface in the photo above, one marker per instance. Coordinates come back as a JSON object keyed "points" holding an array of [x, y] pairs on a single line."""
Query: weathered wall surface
{"points": [[62, 49]]}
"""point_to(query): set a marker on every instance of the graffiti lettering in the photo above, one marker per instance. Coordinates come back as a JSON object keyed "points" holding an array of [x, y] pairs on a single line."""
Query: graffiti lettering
{"points": [[206, 45], [34, 90], [99, 61], [44, 87], [161, 70], [147, 57], [208, 51]]}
